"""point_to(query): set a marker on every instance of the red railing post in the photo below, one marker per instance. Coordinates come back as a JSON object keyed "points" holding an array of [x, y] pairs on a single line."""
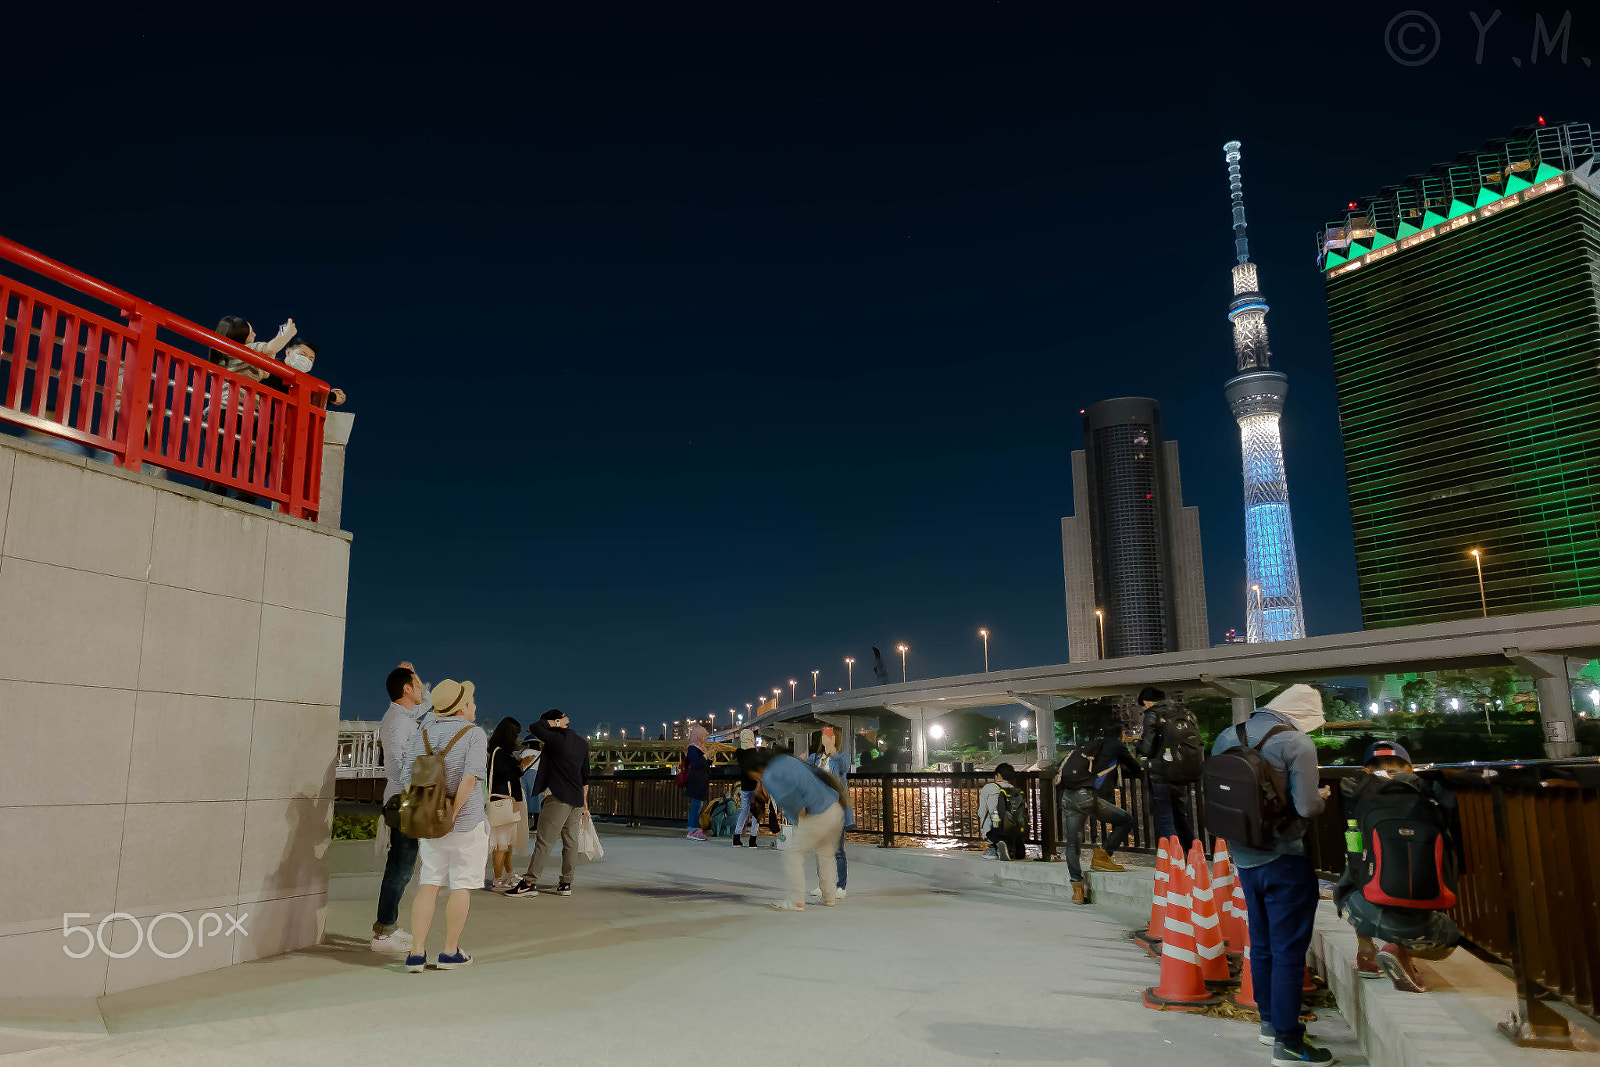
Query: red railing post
{"points": [[137, 388], [295, 424]]}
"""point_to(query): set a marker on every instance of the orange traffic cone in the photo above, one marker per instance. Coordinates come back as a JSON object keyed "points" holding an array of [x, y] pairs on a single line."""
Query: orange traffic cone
{"points": [[1150, 937], [1182, 987], [1310, 984], [1223, 881], [1207, 922], [1246, 997]]}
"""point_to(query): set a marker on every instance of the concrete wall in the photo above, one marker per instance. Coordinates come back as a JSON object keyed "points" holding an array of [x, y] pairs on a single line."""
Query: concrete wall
{"points": [[170, 668]]}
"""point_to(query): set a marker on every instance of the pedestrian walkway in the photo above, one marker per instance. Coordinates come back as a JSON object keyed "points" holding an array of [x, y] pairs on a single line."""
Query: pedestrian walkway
{"points": [[667, 954]]}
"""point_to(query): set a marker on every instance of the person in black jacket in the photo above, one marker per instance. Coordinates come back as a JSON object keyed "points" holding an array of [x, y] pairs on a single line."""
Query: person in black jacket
{"points": [[1169, 792], [564, 771], [1082, 774]]}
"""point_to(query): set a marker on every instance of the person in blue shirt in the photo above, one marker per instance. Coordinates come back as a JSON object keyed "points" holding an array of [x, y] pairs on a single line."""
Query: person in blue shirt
{"points": [[815, 813], [838, 765]]}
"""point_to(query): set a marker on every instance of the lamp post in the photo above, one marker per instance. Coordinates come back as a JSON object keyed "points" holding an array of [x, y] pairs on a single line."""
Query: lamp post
{"points": [[814, 675], [849, 673], [985, 635], [664, 730], [777, 691], [1261, 613], [1477, 557], [749, 708], [903, 649], [791, 690], [1100, 617]]}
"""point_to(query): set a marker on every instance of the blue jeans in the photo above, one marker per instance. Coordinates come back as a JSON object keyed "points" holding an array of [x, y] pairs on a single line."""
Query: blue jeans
{"points": [[1281, 898], [1171, 804], [694, 814], [397, 871], [745, 815], [838, 857]]}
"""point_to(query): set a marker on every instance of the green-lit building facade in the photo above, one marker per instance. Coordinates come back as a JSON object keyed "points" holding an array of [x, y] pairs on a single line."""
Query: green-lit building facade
{"points": [[1464, 308]]}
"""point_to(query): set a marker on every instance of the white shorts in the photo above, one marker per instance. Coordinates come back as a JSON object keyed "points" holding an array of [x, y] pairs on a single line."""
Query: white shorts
{"points": [[455, 861]]}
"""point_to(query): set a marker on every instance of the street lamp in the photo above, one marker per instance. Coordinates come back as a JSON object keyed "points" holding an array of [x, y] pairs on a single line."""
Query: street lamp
{"points": [[1477, 557], [664, 730], [936, 731], [749, 708], [777, 691], [791, 690], [903, 649], [1261, 614], [1100, 616], [849, 673], [1373, 707], [814, 682], [985, 635]]}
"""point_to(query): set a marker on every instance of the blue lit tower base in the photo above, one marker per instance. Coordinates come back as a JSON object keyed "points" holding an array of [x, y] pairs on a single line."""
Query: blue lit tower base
{"points": [[1273, 609]]}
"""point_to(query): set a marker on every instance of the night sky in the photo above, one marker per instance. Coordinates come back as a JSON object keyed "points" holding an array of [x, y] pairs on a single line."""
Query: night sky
{"points": [[694, 346]]}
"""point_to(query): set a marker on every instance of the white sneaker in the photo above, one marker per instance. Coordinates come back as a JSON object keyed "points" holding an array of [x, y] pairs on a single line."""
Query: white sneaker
{"points": [[394, 941], [816, 894]]}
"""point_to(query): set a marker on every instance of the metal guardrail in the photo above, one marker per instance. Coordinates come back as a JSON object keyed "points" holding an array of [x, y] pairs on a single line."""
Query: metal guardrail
{"points": [[119, 388]]}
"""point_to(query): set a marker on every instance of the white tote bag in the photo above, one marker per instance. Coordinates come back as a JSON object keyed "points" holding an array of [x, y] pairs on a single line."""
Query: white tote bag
{"points": [[500, 809], [589, 841]]}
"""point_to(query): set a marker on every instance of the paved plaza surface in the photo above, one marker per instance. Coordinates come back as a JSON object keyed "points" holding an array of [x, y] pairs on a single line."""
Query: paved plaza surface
{"points": [[668, 954]]}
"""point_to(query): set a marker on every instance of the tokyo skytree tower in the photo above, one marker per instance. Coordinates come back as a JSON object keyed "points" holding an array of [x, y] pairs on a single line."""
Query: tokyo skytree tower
{"points": [[1273, 609]]}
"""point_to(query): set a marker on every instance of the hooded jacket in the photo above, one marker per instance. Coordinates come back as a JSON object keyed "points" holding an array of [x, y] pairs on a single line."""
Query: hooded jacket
{"points": [[1294, 755]]}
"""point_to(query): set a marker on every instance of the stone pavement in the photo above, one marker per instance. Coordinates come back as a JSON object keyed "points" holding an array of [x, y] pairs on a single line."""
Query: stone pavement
{"points": [[667, 954]]}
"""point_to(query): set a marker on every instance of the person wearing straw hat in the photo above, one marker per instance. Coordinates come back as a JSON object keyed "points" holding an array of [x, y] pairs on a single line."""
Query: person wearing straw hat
{"points": [[455, 861]]}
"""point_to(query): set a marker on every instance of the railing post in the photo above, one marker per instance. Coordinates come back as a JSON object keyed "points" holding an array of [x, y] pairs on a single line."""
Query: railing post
{"points": [[137, 388], [887, 804], [1534, 1024], [295, 424], [1048, 831]]}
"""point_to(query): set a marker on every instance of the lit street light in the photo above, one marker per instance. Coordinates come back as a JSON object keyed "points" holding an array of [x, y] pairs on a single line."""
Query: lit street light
{"points": [[1100, 616], [903, 649], [814, 682], [936, 731], [1261, 614], [985, 635], [1477, 557], [749, 708], [850, 673], [664, 730], [777, 691], [791, 690]]}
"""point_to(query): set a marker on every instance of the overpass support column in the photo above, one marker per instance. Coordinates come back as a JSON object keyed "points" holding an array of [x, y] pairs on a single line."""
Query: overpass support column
{"points": [[1243, 691], [919, 731], [1550, 679], [1044, 708]]}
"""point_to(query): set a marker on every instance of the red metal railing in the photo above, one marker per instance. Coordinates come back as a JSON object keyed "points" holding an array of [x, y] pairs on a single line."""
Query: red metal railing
{"points": [[121, 388]]}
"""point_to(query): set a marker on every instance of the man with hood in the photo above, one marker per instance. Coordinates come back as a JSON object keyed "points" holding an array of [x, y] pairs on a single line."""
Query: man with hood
{"points": [[1280, 888]]}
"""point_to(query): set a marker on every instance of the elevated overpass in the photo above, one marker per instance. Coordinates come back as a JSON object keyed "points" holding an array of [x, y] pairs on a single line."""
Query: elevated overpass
{"points": [[1545, 645]]}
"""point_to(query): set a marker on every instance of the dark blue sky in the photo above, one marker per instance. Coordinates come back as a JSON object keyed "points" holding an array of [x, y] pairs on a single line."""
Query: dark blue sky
{"points": [[695, 346]]}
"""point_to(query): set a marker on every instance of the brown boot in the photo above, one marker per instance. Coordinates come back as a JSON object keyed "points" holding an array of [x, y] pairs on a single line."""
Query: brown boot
{"points": [[1078, 894], [1103, 862]]}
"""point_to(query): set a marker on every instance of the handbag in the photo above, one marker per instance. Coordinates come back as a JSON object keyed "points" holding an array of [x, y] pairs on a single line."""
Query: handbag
{"points": [[500, 809]]}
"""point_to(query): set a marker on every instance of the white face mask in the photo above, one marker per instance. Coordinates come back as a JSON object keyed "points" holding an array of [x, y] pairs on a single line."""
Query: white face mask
{"points": [[299, 361]]}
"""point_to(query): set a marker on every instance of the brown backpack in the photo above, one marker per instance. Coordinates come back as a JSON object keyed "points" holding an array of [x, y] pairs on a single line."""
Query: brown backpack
{"points": [[425, 802]]}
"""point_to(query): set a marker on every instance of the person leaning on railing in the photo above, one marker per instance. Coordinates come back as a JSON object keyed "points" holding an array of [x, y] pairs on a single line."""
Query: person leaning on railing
{"points": [[302, 356]]}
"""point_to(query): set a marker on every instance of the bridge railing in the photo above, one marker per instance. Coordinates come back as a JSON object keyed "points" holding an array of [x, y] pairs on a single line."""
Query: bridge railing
{"points": [[132, 389]]}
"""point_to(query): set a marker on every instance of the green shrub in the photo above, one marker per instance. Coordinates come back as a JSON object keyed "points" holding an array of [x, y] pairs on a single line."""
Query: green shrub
{"points": [[354, 827]]}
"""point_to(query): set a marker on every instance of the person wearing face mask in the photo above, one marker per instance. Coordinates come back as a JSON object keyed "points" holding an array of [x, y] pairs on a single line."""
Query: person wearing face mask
{"points": [[302, 356], [1280, 888]]}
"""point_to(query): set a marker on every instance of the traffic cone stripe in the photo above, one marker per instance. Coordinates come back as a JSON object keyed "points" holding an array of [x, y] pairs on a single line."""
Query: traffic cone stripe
{"points": [[1210, 922], [1209, 952], [1169, 949], [1181, 900], [1201, 894], [1175, 926]]}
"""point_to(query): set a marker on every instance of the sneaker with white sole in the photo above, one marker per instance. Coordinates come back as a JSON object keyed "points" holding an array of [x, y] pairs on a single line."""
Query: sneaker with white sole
{"points": [[816, 894], [523, 888], [394, 941], [416, 964], [1302, 1051], [451, 962]]}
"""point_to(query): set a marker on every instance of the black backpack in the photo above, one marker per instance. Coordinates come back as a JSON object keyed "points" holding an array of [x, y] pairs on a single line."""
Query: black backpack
{"points": [[1077, 769], [1013, 808], [1246, 800], [1182, 757], [1406, 858]]}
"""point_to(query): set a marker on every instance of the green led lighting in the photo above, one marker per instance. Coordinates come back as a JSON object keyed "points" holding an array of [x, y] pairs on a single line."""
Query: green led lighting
{"points": [[1469, 399]]}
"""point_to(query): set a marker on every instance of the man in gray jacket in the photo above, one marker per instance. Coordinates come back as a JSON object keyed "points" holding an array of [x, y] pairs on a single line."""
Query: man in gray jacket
{"points": [[1280, 888]]}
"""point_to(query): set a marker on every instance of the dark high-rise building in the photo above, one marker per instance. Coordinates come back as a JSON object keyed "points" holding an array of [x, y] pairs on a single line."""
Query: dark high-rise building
{"points": [[1131, 551], [1465, 317]]}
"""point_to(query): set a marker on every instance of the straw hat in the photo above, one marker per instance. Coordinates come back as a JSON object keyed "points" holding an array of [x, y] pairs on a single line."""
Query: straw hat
{"points": [[451, 696]]}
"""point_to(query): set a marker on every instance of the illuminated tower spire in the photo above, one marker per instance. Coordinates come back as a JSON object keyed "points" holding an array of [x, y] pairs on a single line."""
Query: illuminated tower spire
{"points": [[1273, 609]]}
